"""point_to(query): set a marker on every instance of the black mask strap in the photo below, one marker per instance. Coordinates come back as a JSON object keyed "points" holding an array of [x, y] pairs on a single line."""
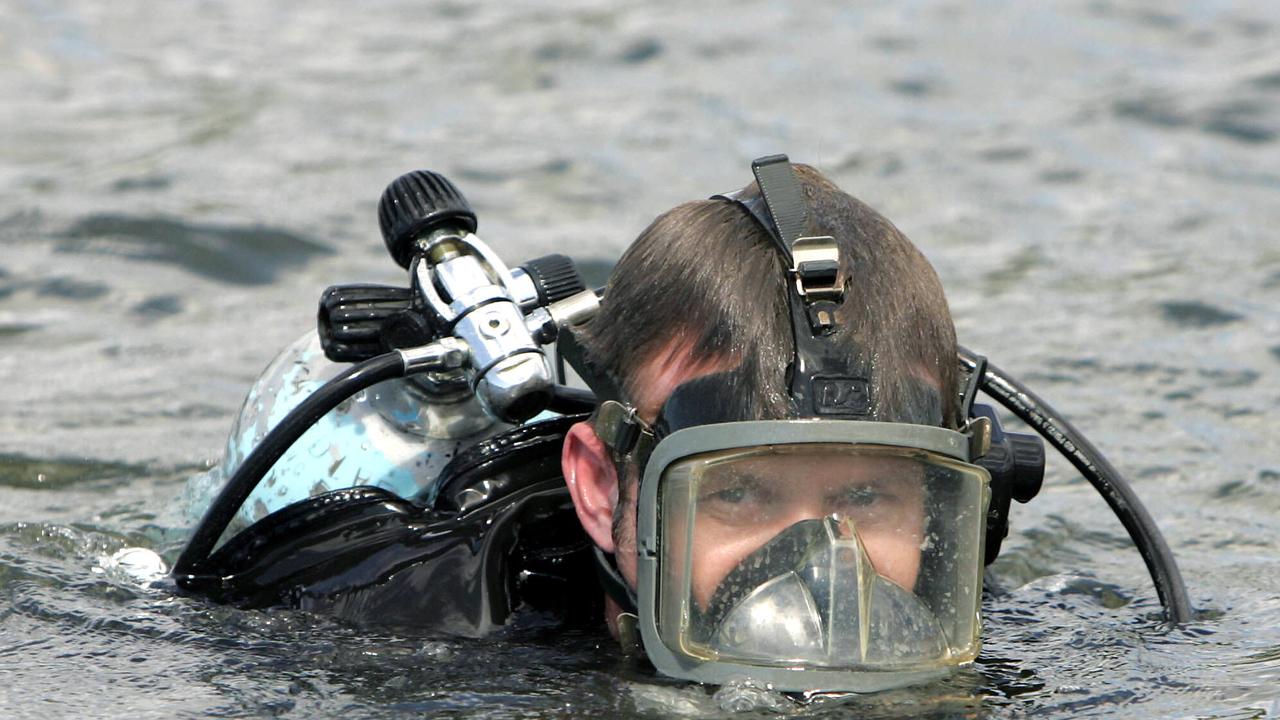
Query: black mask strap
{"points": [[596, 378], [822, 377], [612, 581], [970, 392]]}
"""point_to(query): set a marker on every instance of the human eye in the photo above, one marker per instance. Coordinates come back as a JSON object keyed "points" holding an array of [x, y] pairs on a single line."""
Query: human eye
{"points": [[734, 489], [729, 495], [862, 498], [734, 496], [859, 497]]}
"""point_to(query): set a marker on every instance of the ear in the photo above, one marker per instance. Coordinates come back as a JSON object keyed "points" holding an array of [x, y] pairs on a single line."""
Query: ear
{"points": [[593, 482]]}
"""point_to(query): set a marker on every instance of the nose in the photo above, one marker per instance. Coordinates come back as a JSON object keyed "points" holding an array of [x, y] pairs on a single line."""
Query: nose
{"points": [[806, 509]]}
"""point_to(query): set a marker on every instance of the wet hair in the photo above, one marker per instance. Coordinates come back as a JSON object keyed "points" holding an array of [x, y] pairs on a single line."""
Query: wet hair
{"points": [[707, 275]]}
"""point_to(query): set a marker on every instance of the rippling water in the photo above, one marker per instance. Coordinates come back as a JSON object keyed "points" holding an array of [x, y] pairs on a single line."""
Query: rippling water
{"points": [[1094, 180]]}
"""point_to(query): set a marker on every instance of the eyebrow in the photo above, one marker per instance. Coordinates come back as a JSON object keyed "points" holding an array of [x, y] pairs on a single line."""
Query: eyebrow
{"points": [[736, 476]]}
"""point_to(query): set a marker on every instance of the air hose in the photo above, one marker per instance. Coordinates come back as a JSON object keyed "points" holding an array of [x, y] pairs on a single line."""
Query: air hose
{"points": [[1095, 468], [358, 377]]}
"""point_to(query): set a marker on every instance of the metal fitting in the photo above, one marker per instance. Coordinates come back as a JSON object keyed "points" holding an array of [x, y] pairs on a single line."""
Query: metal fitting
{"points": [[444, 354]]}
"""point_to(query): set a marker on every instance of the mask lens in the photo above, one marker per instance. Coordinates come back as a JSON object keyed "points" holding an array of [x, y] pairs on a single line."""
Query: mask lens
{"points": [[822, 554], [743, 503]]}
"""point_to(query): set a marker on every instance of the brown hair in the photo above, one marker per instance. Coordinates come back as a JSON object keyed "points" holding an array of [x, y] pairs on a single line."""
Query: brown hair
{"points": [[705, 271]]}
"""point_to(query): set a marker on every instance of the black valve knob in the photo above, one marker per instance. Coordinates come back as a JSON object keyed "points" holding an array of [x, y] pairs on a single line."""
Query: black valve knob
{"points": [[414, 205], [351, 319], [555, 277]]}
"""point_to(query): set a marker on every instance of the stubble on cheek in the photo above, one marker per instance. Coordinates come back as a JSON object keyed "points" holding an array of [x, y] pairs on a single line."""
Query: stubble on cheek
{"points": [[624, 529]]}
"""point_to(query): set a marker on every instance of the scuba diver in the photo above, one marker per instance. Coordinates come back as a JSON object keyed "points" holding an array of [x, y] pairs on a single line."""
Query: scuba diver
{"points": [[780, 472]]}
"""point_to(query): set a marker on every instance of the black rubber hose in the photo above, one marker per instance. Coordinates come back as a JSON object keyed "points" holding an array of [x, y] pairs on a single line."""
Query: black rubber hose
{"points": [[570, 401], [1105, 479], [278, 440]]}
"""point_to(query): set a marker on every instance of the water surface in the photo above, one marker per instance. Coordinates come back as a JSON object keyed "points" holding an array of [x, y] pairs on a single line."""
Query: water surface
{"points": [[1095, 182]]}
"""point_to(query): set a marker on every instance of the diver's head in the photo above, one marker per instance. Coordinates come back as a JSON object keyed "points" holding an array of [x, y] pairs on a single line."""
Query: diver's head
{"points": [[699, 328], [704, 287], [702, 291]]}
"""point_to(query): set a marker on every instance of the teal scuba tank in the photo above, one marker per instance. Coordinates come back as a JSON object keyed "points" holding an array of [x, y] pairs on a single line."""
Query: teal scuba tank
{"points": [[397, 435]]}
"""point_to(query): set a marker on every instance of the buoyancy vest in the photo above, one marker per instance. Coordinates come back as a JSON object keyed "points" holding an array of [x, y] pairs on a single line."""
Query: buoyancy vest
{"points": [[499, 537]]}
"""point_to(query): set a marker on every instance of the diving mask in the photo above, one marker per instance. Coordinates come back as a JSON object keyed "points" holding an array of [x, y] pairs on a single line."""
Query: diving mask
{"points": [[811, 554]]}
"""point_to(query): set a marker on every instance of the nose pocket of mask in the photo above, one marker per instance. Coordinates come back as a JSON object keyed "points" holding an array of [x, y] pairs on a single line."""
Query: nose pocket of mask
{"points": [[811, 595]]}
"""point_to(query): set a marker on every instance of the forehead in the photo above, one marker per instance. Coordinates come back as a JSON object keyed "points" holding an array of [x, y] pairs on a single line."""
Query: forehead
{"points": [[675, 363]]}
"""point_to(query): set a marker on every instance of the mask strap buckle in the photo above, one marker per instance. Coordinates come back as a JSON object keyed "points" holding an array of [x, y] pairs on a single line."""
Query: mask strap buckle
{"points": [[627, 436], [814, 261], [815, 264], [824, 380]]}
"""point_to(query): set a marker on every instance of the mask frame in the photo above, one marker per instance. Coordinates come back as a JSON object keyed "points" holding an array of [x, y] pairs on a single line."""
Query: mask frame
{"points": [[681, 444]]}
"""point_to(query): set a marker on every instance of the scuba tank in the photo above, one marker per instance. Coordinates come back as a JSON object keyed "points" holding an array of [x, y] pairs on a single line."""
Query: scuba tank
{"points": [[440, 443], [397, 435]]}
